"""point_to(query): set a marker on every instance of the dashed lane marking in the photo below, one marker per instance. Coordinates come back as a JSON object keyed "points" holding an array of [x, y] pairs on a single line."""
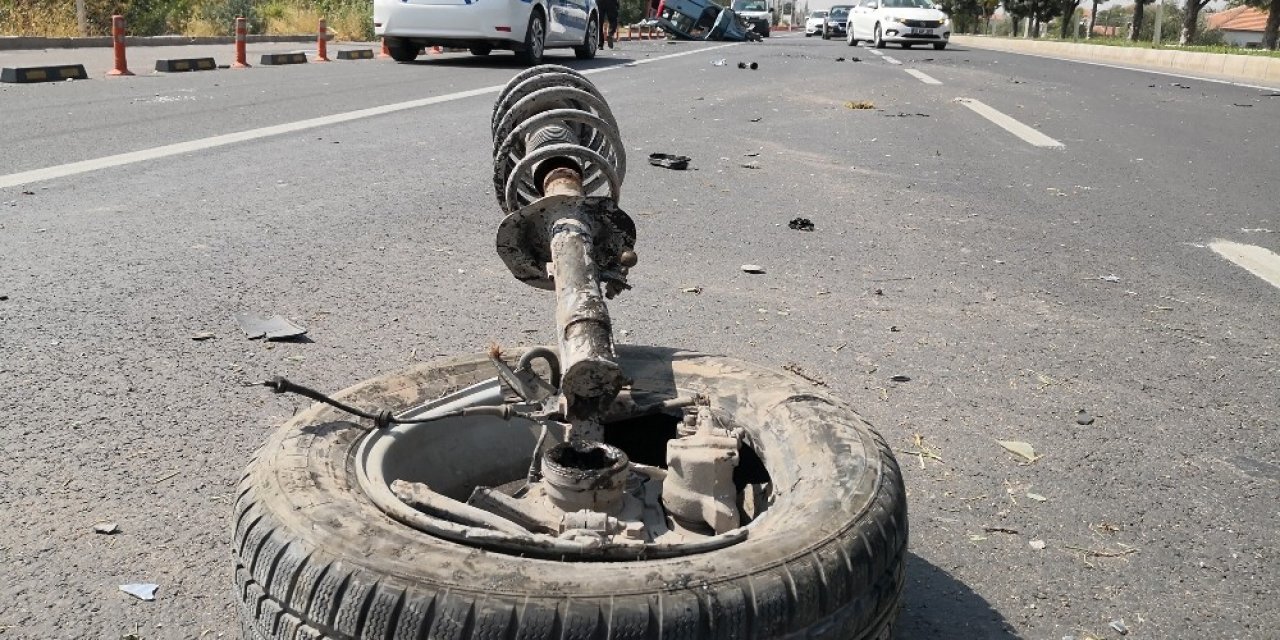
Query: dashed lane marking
{"points": [[891, 59], [1003, 121], [922, 76], [202, 144], [1259, 261]]}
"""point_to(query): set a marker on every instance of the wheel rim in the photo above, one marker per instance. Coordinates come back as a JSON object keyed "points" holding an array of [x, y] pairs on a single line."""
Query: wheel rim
{"points": [[593, 36], [877, 34], [535, 33]]}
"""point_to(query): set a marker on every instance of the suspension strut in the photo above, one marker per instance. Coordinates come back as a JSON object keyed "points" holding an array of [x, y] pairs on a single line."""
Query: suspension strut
{"points": [[558, 165]]}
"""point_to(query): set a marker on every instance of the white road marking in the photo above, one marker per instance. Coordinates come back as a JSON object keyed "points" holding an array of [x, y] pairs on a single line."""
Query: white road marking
{"points": [[202, 144], [922, 76], [874, 51], [1141, 70], [890, 59], [1256, 260], [1009, 124]]}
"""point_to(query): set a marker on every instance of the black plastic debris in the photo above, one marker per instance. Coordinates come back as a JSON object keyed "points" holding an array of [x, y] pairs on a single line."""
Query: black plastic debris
{"points": [[839, 59], [754, 66], [257, 326], [742, 65], [902, 114], [801, 224], [669, 161], [901, 378]]}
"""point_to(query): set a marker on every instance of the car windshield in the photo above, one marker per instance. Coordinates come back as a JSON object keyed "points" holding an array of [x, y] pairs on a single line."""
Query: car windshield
{"points": [[907, 4], [818, 14], [750, 5], [840, 12]]}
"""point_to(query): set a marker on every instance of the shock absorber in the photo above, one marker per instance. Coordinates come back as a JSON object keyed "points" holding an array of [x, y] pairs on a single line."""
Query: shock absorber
{"points": [[558, 166]]}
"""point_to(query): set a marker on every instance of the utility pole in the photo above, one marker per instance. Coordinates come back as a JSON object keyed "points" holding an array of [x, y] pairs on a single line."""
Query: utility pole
{"points": [[81, 21]]}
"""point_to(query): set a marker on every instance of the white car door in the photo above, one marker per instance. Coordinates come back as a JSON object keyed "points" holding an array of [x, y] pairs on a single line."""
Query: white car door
{"points": [[863, 18], [568, 20]]}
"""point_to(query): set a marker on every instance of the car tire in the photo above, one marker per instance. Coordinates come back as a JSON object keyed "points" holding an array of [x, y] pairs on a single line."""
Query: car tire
{"points": [[403, 51], [808, 35], [853, 42], [481, 50], [587, 50], [315, 558], [939, 45], [535, 40], [765, 34], [826, 35], [878, 38]]}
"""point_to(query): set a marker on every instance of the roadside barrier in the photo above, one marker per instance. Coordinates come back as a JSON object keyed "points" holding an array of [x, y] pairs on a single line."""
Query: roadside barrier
{"points": [[242, 32], [117, 38], [186, 64], [283, 58], [322, 46], [355, 54], [43, 74]]}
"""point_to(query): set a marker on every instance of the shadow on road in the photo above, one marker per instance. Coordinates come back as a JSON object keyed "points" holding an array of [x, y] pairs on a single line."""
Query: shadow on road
{"points": [[936, 605], [499, 61]]}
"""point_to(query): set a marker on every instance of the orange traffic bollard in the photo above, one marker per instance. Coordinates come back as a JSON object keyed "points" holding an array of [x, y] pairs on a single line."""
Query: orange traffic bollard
{"points": [[117, 38], [322, 45], [385, 53], [242, 31]]}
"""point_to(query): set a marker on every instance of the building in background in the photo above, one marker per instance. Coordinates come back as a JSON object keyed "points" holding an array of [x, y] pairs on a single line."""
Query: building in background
{"points": [[1241, 26]]}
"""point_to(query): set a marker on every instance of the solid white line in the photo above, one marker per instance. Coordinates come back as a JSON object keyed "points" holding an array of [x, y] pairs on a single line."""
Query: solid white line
{"points": [[1009, 124], [1256, 260], [891, 59], [923, 77], [1139, 69], [191, 146]]}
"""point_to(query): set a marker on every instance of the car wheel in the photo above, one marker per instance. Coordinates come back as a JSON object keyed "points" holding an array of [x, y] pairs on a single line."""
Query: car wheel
{"points": [[481, 50], [587, 50], [403, 51], [853, 42], [939, 45], [317, 558], [766, 32], [878, 38], [826, 35], [808, 35], [535, 39]]}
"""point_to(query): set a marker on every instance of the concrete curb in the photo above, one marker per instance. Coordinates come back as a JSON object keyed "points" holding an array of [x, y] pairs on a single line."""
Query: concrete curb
{"points": [[9, 43], [1248, 69]]}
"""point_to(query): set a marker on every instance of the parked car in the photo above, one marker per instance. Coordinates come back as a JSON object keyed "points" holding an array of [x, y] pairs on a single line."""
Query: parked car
{"points": [[834, 24], [814, 23], [907, 22], [756, 13], [527, 27]]}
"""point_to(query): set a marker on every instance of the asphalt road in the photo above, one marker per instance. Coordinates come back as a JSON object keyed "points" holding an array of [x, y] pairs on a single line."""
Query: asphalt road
{"points": [[1014, 284]]}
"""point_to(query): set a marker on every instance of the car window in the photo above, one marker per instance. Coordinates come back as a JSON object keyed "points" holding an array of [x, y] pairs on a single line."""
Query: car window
{"points": [[750, 5], [838, 12], [818, 14], [908, 4]]}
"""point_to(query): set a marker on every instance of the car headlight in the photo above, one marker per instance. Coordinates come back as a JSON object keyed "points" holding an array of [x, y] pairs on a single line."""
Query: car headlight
{"points": [[946, 22], [892, 18]]}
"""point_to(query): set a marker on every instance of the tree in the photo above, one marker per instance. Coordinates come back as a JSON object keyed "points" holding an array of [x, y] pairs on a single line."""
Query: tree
{"points": [[1135, 31], [1067, 9], [1093, 18], [1190, 20]]}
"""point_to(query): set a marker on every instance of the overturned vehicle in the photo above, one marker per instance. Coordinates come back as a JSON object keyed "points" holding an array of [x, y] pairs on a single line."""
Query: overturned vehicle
{"points": [[703, 20]]}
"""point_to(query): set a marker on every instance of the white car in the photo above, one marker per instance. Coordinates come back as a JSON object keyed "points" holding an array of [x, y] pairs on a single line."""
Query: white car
{"points": [[527, 27], [813, 24], [908, 22]]}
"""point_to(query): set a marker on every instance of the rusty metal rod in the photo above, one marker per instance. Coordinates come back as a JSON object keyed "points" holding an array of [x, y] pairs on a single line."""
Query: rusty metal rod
{"points": [[592, 377]]}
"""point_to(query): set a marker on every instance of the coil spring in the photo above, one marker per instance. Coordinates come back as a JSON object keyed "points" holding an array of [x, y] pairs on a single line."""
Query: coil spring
{"points": [[545, 99]]}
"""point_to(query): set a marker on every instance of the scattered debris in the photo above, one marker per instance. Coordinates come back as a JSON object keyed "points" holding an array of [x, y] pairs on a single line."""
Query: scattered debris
{"points": [[691, 290], [142, 591], [1083, 418], [28, 193], [893, 328], [1038, 545], [273, 328], [756, 119], [902, 114], [3, 298], [719, 63], [1235, 104], [1037, 497], [203, 335], [901, 378], [1179, 85], [753, 66], [1104, 553], [995, 529], [1105, 527], [796, 369], [751, 154], [1273, 94], [1110, 277], [1023, 449], [839, 59], [750, 165], [1119, 626], [879, 291], [752, 268], [106, 528], [742, 65], [859, 104], [801, 224], [669, 161], [922, 450], [973, 537]]}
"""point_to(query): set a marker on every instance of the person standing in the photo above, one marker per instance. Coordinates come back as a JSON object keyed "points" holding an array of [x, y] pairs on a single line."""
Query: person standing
{"points": [[608, 14]]}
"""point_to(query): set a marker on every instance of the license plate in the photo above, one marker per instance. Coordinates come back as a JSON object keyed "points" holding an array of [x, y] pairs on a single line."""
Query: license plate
{"points": [[921, 32]]}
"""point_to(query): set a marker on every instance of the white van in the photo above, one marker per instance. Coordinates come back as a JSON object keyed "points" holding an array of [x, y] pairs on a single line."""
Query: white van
{"points": [[527, 27]]}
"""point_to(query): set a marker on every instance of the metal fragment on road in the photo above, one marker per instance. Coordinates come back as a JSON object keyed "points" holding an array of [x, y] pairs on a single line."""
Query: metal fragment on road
{"points": [[900, 378], [256, 326], [669, 161], [203, 335], [1120, 627], [1038, 545], [752, 268], [106, 528], [142, 590], [1110, 277]]}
